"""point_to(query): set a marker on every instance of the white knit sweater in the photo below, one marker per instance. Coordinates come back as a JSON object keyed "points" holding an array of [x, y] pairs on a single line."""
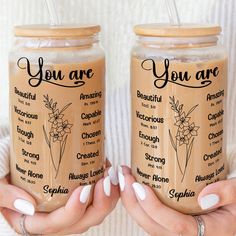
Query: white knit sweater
{"points": [[117, 19]]}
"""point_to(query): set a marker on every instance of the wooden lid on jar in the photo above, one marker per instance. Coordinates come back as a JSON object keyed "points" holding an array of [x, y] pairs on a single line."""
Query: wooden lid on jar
{"points": [[56, 31], [185, 30]]}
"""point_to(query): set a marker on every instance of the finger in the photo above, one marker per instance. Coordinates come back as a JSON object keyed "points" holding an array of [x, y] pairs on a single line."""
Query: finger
{"points": [[101, 206], [16, 199], [172, 220], [108, 163], [5, 180], [43, 223], [122, 171], [112, 172], [218, 194], [132, 206], [220, 222]]}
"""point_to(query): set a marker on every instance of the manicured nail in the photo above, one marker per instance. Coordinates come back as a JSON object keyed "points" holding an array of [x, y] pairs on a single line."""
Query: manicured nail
{"points": [[24, 207], [139, 191], [209, 201], [85, 193], [107, 186], [121, 179], [113, 175]]}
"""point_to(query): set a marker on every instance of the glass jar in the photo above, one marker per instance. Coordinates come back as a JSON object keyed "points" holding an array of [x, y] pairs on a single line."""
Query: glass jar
{"points": [[179, 90], [57, 95]]}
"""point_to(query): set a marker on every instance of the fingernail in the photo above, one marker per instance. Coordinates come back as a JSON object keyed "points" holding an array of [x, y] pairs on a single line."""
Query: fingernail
{"points": [[121, 179], [107, 186], [209, 201], [85, 193], [24, 207], [139, 191], [113, 175]]}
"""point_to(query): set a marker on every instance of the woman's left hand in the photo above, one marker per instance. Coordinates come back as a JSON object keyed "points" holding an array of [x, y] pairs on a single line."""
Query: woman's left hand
{"points": [[75, 217], [159, 220]]}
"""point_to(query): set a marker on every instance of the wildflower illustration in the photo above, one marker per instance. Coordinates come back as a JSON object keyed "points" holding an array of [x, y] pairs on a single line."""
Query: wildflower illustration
{"points": [[185, 134], [58, 133]]}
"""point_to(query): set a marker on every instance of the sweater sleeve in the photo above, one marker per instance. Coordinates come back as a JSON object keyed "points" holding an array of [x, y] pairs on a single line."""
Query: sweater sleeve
{"points": [[5, 228], [232, 161], [4, 151]]}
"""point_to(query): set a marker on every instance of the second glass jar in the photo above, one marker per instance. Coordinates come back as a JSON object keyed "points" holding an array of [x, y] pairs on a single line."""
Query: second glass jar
{"points": [[179, 90]]}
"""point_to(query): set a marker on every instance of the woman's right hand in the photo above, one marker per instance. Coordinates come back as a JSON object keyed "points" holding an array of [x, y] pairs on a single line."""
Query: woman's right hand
{"points": [[74, 218], [158, 219]]}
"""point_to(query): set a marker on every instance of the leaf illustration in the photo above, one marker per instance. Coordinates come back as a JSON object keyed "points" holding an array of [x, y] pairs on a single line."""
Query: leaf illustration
{"points": [[63, 109], [54, 106], [63, 146], [62, 149], [172, 141], [189, 152], [191, 110], [181, 108], [46, 137], [177, 103]]}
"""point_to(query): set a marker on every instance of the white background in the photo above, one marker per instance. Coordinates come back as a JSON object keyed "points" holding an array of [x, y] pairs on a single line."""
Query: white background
{"points": [[117, 18]]}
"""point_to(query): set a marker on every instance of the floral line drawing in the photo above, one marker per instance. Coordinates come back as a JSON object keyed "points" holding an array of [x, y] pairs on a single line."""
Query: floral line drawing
{"points": [[59, 130], [185, 135]]}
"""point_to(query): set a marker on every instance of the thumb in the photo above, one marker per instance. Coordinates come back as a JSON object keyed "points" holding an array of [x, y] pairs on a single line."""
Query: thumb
{"points": [[16, 199], [218, 194]]}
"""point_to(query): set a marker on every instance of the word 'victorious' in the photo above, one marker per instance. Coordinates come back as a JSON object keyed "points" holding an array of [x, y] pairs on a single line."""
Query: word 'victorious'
{"points": [[52, 76], [181, 77]]}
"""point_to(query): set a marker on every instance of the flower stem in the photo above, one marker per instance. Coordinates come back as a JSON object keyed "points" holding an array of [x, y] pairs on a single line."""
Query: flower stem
{"points": [[57, 172], [54, 165], [177, 157], [186, 164], [59, 163]]}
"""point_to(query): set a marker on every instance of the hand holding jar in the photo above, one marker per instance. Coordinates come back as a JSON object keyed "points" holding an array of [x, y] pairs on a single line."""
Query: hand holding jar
{"points": [[76, 217], [157, 219]]}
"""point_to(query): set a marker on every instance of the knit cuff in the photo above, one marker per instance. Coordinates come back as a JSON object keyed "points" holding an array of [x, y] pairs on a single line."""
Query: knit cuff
{"points": [[4, 151], [232, 161], [5, 228]]}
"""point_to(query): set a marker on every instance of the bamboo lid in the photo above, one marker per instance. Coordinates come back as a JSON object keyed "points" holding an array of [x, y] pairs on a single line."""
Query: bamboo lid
{"points": [[185, 30], [56, 31]]}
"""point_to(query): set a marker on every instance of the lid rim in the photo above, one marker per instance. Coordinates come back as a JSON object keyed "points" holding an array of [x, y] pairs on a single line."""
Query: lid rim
{"points": [[185, 30], [56, 31]]}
